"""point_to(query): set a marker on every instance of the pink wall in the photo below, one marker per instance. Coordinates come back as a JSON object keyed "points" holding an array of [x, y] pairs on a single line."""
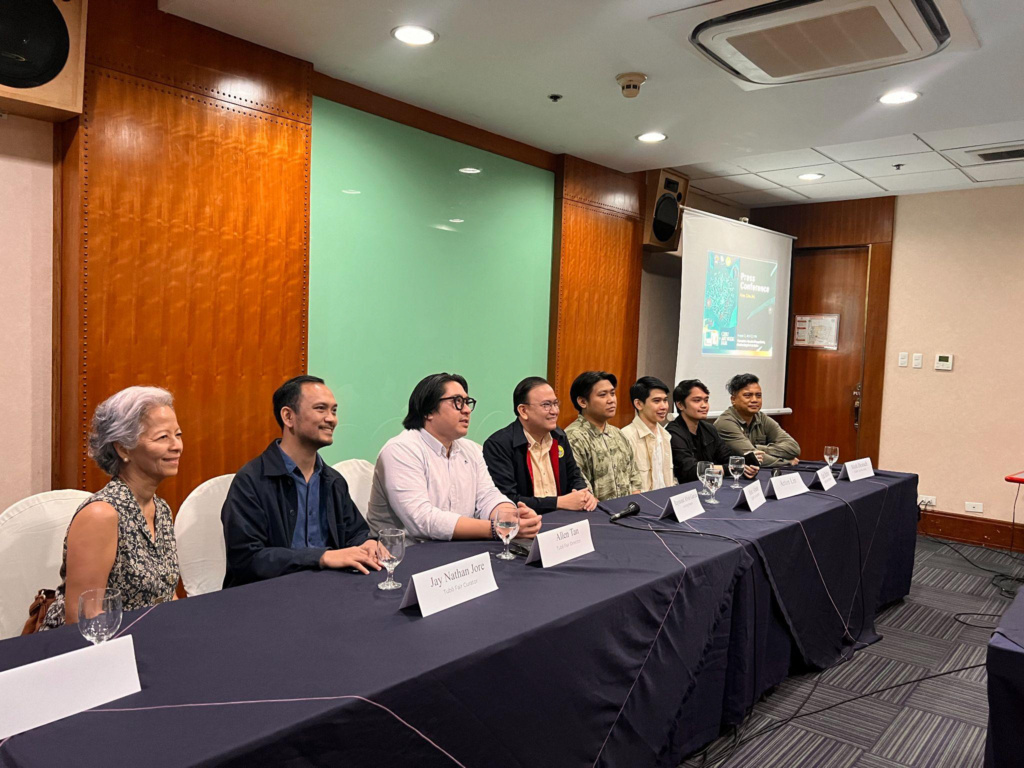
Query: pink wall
{"points": [[958, 287], [26, 300]]}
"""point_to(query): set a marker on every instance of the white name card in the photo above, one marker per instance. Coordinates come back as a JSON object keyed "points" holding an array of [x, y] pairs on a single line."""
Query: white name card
{"points": [[52, 689], [823, 478], [857, 469], [784, 486], [449, 585], [752, 496], [561, 544], [684, 506]]}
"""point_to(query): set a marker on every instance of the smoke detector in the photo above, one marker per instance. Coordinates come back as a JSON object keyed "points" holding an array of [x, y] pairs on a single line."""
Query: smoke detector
{"points": [[630, 83], [784, 41]]}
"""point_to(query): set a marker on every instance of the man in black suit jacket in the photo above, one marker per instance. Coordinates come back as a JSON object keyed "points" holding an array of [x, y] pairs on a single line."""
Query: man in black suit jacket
{"points": [[287, 510], [530, 460]]}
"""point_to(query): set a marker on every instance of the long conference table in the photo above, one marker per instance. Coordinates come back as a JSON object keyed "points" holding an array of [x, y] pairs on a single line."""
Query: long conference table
{"points": [[634, 655]]}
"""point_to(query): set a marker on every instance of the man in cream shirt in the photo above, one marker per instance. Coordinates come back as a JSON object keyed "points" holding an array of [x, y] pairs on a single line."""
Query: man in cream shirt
{"points": [[652, 445], [430, 480]]}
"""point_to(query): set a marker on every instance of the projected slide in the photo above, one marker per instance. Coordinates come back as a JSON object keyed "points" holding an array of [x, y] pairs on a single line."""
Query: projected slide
{"points": [[739, 306]]}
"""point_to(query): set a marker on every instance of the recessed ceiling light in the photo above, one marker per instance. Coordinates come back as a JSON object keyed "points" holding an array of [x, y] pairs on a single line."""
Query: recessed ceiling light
{"points": [[651, 137], [351, 192], [811, 176], [413, 35], [901, 96], [469, 170], [456, 221]]}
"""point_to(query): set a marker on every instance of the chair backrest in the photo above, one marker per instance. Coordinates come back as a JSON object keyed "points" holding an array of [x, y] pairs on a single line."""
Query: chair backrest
{"points": [[31, 548], [358, 473], [200, 537]]}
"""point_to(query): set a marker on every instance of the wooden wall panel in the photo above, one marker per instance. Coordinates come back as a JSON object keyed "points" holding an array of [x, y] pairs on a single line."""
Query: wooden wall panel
{"points": [[595, 310], [875, 328], [831, 225], [134, 37]]}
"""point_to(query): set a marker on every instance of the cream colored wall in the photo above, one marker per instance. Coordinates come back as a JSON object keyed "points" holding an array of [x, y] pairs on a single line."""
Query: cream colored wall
{"points": [[957, 287], [26, 300]]}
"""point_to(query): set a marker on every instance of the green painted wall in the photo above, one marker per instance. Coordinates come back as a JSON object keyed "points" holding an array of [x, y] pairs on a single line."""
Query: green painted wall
{"points": [[397, 291]]}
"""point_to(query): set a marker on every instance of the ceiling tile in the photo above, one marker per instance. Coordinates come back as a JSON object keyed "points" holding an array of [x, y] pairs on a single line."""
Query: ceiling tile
{"points": [[981, 134], [996, 171], [916, 163], [707, 170], [778, 161], [840, 189], [861, 150], [791, 177], [922, 182], [727, 184], [767, 196]]}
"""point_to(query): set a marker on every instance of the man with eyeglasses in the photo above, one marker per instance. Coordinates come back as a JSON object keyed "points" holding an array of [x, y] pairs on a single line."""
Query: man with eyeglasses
{"points": [[744, 428], [604, 456], [433, 482], [531, 460]]}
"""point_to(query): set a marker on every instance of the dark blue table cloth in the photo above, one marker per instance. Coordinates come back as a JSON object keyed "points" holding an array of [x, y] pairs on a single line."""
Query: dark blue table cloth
{"points": [[633, 655], [1005, 666]]}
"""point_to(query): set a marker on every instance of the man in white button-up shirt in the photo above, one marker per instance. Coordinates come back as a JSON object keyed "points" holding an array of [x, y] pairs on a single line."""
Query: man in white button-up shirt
{"points": [[433, 482], [652, 445]]}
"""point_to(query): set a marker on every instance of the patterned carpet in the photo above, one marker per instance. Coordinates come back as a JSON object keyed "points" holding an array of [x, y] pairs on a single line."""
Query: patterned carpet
{"points": [[938, 723]]}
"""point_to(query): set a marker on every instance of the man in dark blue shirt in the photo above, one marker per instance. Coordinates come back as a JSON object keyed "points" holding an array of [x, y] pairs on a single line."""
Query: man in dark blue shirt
{"points": [[286, 510]]}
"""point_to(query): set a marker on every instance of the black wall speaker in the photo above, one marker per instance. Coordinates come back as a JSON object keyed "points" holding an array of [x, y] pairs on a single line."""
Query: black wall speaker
{"points": [[42, 51], [663, 207]]}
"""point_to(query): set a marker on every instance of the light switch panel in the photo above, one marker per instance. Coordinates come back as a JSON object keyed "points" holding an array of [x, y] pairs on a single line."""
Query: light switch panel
{"points": [[903, 360], [918, 359]]}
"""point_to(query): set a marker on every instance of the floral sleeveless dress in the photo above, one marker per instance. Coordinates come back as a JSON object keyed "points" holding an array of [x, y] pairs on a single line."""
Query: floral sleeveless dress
{"points": [[145, 569]]}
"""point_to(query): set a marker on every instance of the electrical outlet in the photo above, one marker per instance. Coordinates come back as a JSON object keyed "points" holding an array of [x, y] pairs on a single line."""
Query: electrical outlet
{"points": [[928, 502], [974, 506]]}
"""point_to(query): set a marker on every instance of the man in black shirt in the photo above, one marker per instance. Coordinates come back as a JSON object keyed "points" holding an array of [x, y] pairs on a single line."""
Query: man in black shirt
{"points": [[693, 438]]}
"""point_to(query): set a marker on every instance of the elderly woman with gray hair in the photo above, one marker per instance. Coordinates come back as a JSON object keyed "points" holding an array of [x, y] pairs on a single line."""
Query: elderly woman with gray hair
{"points": [[122, 537]]}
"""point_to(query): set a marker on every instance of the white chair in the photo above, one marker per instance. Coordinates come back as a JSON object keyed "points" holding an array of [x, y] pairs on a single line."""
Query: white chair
{"points": [[200, 537], [358, 473], [31, 548]]}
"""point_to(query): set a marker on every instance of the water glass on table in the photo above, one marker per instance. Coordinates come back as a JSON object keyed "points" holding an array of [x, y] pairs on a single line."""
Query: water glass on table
{"points": [[702, 467], [390, 553], [99, 614], [507, 525], [831, 454], [713, 481], [736, 466]]}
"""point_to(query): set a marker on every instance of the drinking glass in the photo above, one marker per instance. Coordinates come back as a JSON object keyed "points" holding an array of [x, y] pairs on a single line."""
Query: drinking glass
{"points": [[831, 454], [390, 552], [702, 467], [507, 523], [713, 480], [99, 614], [736, 466]]}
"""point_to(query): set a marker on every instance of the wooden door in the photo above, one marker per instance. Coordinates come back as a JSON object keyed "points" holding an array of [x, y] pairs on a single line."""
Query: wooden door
{"points": [[823, 385]]}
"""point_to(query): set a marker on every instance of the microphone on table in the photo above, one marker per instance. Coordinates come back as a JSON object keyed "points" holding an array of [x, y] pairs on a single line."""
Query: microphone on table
{"points": [[631, 509]]}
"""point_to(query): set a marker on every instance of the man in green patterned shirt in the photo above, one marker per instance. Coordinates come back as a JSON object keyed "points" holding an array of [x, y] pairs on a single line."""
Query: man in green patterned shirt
{"points": [[602, 452]]}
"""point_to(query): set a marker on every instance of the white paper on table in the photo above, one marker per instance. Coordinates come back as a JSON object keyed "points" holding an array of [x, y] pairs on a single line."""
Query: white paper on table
{"points": [[784, 486], [561, 544], [752, 496], [52, 689], [857, 469], [823, 479], [449, 585], [683, 506]]}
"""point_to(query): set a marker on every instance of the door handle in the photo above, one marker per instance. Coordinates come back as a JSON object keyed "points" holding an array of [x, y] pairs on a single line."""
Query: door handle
{"points": [[856, 406]]}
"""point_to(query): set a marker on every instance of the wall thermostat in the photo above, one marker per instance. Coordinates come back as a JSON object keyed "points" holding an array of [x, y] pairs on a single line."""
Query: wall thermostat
{"points": [[943, 362]]}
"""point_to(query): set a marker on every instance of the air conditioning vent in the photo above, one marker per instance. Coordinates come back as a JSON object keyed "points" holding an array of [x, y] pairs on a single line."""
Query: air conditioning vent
{"points": [[995, 155], [785, 41], [984, 154]]}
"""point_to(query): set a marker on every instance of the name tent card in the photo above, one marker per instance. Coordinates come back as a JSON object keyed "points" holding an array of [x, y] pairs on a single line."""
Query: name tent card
{"points": [[683, 506], [64, 685], [823, 479], [449, 585], [784, 486], [752, 496], [561, 544], [857, 470]]}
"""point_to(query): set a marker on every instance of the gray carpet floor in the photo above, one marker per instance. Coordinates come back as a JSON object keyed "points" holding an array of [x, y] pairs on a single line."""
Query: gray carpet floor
{"points": [[938, 723]]}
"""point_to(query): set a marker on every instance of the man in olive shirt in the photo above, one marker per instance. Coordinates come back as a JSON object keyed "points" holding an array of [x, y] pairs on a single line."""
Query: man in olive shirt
{"points": [[604, 456], [744, 428]]}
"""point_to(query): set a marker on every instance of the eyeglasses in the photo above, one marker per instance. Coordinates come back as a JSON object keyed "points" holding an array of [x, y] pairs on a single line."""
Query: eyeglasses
{"points": [[461, 402], [548, 405]]}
